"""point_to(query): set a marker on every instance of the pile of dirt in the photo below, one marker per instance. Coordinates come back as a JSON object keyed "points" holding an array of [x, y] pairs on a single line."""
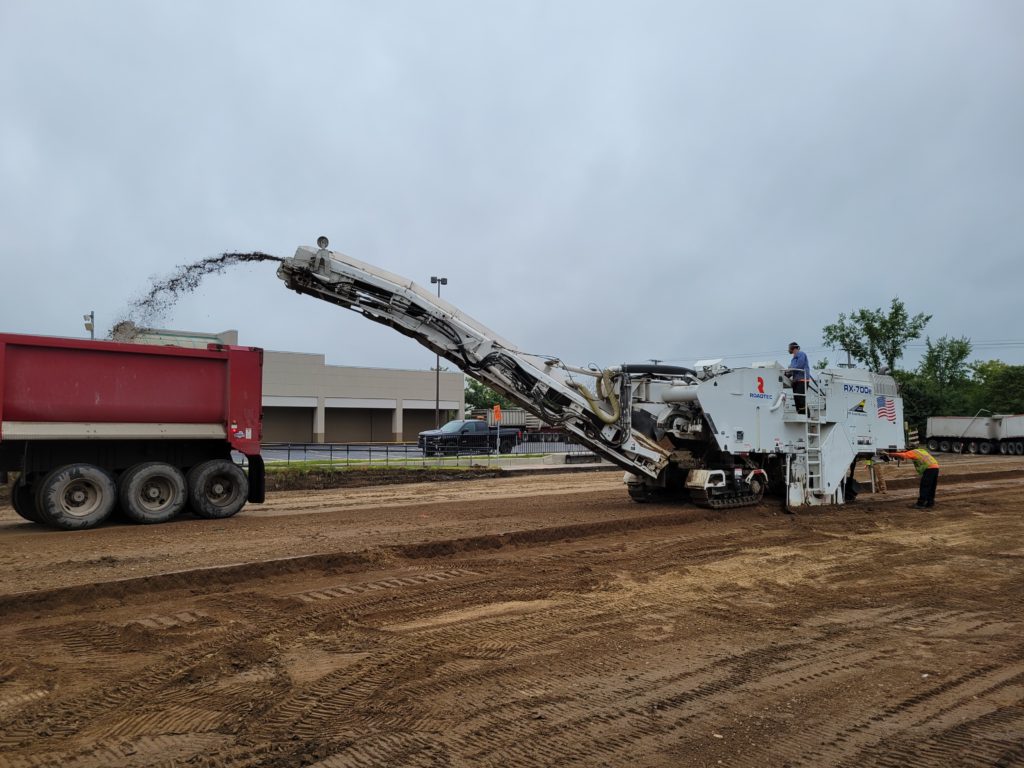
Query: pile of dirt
{"points": [[301, 479]]}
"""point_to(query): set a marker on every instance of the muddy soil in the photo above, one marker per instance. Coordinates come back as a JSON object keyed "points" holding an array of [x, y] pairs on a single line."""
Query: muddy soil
{"points": [[530, 621], [321, 479]]}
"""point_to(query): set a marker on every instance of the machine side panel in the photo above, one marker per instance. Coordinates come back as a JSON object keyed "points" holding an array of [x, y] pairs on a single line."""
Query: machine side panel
{"points": [[746, 404]]}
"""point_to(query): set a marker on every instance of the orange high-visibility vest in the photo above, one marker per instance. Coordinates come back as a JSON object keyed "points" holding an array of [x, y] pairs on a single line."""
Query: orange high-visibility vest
{"points": [[921, 458]]}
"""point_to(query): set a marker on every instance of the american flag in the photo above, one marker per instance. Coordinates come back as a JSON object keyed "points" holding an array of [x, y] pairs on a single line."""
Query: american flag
{"points": [[887, 409]]}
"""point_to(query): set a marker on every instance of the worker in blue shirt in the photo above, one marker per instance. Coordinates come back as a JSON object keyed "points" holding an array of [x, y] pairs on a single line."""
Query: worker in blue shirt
{"points": [[799, 373]]}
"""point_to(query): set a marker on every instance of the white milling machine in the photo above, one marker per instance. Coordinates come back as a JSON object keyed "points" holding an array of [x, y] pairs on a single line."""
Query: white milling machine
{"points": [[718, 436]]}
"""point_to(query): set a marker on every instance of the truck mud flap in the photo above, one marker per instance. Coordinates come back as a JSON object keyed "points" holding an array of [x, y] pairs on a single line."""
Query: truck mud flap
{"points": [[257, 480]]}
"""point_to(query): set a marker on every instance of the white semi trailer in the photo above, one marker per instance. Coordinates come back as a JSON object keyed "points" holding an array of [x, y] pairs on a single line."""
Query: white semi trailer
{"points": [[716, 435], [1000, 433]]}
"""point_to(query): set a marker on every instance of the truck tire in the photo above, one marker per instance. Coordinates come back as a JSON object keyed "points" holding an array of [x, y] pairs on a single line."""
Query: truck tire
{"points": [[972, 447], [944, 446], [984, 447], [23, 499], [217, 489], [76, 496], [152, 492], [1019, 448], [1004, 448], [933, 444], [506, 446]]}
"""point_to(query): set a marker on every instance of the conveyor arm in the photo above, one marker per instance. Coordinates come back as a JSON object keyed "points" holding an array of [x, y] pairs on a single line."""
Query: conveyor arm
{"points": [[544, 386]]}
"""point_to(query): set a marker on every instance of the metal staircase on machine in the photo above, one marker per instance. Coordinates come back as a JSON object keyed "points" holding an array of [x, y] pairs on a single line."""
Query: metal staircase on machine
{"points": [[812, 439]]}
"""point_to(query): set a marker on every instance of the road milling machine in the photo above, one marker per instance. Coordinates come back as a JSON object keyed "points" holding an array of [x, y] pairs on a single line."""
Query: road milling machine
{"points": [[718, 436]]}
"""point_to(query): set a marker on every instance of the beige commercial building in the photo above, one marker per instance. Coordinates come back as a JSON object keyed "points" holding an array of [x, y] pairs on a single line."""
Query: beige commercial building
{"points": [[307, 401]]}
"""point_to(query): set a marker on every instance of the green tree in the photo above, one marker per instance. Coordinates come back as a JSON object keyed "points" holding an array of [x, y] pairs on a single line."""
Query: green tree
{"points": [[945, 375], [479, 395], [919, 399], [985, 370], [873, 337], [945, 361], [1000, 387]]}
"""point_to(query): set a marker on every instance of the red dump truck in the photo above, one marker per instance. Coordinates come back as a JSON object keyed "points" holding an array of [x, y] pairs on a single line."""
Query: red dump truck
{"points": [[94, 426]]}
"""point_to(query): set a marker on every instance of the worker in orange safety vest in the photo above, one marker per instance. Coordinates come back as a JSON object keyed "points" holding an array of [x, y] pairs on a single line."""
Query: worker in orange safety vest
{"points": [[928, 468]]}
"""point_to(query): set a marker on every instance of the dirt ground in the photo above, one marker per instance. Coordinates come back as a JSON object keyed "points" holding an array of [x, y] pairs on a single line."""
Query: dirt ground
{"points": [[525, 621]]}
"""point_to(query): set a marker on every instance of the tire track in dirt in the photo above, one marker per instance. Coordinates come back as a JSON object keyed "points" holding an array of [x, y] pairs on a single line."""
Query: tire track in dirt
{"points": [[212, 578], [984, 740], [165, 751], [675, 646], [330, 593], [410, 750], [814, 668], [329, 696], [849, 744], [140, 687]]}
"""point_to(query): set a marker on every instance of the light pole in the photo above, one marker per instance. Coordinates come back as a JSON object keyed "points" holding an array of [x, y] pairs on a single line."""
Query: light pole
{"points": [[438, 281], [90, 323]]}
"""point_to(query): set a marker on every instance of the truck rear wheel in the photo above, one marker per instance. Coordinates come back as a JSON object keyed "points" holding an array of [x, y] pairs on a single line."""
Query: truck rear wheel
{"points": [[152, 492], [217, 488], [933, 444], [984, 447], [76, 496], [505, 446], [944, 446], [23, 499]]}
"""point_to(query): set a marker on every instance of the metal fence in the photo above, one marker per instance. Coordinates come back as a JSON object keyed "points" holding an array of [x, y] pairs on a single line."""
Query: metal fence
{"points": [[533, 447]]}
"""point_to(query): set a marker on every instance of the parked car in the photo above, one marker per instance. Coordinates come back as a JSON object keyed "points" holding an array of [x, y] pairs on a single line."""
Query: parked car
{"points": [[468, 436]]}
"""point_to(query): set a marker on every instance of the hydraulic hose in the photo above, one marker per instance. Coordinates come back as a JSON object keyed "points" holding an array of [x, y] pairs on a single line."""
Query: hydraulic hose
{"points": [[605, 394]]}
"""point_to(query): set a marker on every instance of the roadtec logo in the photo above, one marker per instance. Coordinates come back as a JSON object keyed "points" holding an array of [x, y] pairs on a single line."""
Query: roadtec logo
{"points": [[859, 407], [760, 394]]}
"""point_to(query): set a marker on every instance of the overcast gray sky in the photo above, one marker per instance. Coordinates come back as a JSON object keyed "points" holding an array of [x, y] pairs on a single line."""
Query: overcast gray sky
{"points": [[603, 181]]}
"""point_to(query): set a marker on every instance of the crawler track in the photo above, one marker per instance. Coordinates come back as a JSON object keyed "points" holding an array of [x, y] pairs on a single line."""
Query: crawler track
{"points": [[646, 635]]}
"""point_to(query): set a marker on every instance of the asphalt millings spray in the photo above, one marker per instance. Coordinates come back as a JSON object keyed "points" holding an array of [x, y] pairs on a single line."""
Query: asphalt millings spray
{"points": [[165, 292]]}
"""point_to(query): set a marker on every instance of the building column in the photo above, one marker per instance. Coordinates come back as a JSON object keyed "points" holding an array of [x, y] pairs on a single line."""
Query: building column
{"points": [[396, 421], [319, 421]]}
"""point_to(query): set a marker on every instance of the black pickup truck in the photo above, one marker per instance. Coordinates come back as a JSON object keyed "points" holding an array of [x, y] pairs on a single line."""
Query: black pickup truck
{"points": [[468, 436]]}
